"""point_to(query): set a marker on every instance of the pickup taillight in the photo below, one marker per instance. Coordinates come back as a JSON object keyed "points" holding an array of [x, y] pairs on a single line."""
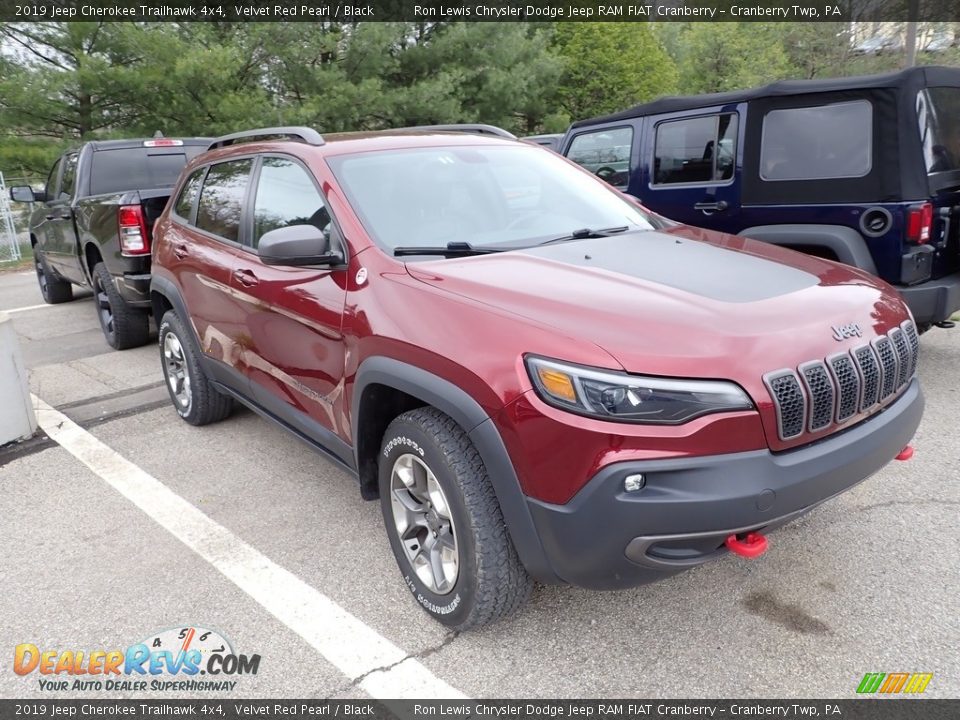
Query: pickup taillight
{"points": [[919, 223], [132, 227]]}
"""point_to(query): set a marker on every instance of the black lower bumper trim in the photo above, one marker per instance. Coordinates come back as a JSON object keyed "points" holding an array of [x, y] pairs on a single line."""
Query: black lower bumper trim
{"points": [[608, 538], [933, 301]]}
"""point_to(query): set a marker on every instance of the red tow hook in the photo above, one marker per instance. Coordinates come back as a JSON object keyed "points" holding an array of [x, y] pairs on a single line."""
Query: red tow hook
{"points": [[906, 453], [752, 546]]}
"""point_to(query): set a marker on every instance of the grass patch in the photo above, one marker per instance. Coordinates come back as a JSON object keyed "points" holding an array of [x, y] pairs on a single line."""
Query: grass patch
{"points": [[25, 261]]}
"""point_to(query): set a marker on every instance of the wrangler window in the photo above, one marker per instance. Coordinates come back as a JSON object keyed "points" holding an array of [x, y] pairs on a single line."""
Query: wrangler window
{"points": [[938, 112], [696, 150], [605, 153], [817, 143]]}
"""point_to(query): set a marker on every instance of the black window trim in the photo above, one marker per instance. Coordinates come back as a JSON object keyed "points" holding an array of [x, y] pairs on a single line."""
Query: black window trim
{"points": [[594, 130], [336, 236], [870, 142], [705, 183]]}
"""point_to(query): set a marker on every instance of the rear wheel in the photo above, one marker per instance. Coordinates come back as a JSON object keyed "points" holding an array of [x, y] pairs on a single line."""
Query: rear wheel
{"points": [[123, 326], [193, 395], [53, 289], [445, 526]]}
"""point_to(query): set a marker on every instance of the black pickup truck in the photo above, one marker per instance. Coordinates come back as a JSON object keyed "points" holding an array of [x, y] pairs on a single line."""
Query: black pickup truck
{"points": [[92, 222]]}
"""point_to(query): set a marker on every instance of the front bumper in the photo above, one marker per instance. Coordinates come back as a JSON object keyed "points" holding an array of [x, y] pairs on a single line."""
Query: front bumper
{"points": [[606, 538], [933, 301]]}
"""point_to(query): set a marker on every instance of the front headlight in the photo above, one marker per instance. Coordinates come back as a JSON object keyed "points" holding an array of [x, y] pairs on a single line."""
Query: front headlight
{"points": [[617, 396]]}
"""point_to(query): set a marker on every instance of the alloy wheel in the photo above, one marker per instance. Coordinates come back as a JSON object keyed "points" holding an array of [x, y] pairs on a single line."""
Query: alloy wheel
{"points": [[424, 523], [176, 370]]}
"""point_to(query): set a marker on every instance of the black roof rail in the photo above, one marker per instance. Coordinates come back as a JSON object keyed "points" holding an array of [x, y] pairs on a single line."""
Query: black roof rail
{"points": [[300, 134], [477, 128]]}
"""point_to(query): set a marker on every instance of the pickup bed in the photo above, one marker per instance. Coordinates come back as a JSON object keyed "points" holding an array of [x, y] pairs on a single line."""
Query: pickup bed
{"points": [[91, 226]]}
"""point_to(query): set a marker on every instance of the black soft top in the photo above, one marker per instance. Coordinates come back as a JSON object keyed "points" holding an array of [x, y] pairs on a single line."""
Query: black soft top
{"points": [[915, 78]]}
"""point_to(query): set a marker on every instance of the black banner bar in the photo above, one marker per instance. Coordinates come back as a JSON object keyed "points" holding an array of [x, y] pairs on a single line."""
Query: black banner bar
{"points": [[879, 708], [348, 11]]}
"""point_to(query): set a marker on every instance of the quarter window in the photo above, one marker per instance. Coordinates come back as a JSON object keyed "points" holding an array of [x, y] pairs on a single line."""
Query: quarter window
{"points": [[69, 177], [184, 204], [605, 153], [286, 195], [696, 150], [221, 200], [817, 143]]}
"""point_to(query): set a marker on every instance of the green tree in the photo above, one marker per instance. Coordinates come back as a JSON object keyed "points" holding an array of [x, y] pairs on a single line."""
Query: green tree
{"points": [[611, 66], [729, 55]]}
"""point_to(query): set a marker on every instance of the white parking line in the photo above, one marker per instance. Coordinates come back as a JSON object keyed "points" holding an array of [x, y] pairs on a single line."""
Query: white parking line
{"points": [[26, 308], [347, 643]]}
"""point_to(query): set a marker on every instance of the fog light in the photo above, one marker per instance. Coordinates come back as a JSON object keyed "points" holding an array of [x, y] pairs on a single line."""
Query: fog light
{"points": [[632, 483]]}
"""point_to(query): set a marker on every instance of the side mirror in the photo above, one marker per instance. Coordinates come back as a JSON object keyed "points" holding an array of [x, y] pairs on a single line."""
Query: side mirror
{"points": [[22, 193], [297, 245]]}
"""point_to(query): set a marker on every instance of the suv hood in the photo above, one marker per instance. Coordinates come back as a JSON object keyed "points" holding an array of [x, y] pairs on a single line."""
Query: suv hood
{"points": [[681, 302]]}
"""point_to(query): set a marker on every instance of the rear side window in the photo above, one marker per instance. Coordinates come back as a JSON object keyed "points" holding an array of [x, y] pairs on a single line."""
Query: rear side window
{"points": [[605, 153], [696, 150], [286, 196], [817, 143], [938, 112], [68, 184], [184, 204], [221, 199], [124, 169]]}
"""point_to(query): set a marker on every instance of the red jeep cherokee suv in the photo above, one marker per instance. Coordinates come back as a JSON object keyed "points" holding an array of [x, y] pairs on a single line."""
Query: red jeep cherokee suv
{"points": [[539, 379]]}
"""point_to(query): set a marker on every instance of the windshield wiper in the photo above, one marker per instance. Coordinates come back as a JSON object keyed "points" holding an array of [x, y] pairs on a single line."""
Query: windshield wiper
{"points": [[453, 249], [586, 233]]}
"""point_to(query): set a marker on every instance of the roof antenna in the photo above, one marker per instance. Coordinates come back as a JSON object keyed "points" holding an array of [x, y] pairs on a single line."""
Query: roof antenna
{"points": [[158, 134]]}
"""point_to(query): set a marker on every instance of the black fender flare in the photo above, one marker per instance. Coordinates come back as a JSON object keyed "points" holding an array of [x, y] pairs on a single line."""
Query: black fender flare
{"points": [[846, 243], [468, 413], [166, 288]]}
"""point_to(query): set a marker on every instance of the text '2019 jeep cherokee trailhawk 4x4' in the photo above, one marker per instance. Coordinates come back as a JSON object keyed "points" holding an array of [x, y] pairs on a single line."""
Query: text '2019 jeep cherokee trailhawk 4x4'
{"points": [[537, 377]]}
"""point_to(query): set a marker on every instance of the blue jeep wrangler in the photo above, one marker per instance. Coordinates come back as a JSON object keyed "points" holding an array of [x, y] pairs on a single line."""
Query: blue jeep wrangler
{"points": [[863, 170]]}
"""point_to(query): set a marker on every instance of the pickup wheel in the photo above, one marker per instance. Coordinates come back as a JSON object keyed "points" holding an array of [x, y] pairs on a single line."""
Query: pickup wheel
{"points": [[445, 526], [53, 289], [192, 393], [123, 326]]}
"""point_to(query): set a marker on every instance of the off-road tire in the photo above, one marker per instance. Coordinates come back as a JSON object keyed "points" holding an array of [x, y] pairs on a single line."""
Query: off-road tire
{"points": [[123, 326], [206, 404], [53, 289], [492, 582]]}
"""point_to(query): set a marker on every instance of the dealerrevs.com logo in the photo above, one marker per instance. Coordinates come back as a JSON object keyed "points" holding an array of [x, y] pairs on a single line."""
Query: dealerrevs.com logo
{"points": [[187, 658]]}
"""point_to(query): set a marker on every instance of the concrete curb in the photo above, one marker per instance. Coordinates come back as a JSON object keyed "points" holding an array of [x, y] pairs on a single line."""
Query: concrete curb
{"points": [[17, 418]]}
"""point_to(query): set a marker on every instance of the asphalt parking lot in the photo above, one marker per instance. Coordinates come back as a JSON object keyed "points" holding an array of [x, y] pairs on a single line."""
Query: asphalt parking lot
{"points": [[866, 583]]}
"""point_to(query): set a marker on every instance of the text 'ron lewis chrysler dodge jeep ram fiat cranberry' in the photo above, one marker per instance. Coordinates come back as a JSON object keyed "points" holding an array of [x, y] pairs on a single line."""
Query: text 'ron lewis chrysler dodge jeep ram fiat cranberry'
{"points": [[539, 379]]}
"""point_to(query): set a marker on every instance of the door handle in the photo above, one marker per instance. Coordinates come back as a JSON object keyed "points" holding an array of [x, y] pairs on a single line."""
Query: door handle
{"points": [[246, 278], [57, 216], [180, 251], [718, 206]]}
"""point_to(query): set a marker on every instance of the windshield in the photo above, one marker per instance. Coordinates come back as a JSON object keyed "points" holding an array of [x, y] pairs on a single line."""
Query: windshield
{"points": [[938, 112], [484, 195]]}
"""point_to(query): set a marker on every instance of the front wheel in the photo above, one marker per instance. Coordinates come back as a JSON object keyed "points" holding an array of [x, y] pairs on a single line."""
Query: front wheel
{"points": [[53, 289], [123, 326], [445, 526]]}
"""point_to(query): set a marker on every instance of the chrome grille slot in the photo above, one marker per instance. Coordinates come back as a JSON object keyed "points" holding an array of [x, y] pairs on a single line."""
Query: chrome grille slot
{"points": [[869, 369], [903, 356], [821, 393], [913, 340], [888, 366], [789, 402], [848, 383]]}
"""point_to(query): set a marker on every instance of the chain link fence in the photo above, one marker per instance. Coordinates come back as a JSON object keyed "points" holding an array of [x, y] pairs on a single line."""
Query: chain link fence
{"points": [[14, 223]]}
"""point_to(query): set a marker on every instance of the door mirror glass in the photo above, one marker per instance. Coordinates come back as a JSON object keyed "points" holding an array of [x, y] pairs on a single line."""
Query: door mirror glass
{"points": [[296, 245], [22, 193]]}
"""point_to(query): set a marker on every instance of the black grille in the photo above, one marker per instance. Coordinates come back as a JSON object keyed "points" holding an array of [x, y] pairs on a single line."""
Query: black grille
{"points": [[888, 366], [869, 375], [789, 402], [820, 390], [848, 383]]}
